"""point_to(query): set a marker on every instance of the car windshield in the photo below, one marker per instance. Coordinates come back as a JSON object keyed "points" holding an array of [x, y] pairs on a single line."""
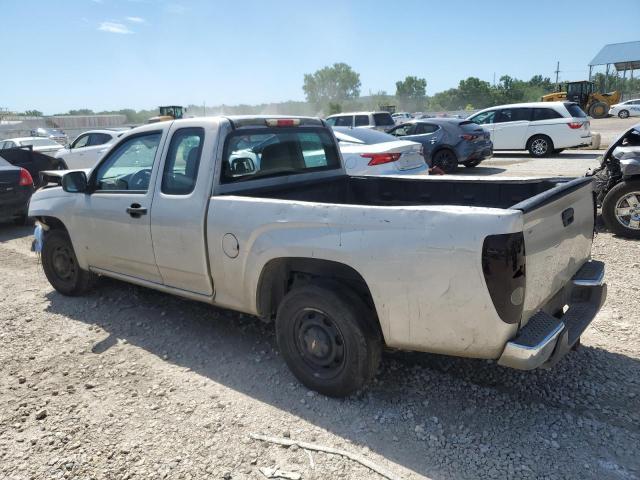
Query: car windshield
{"points": [[257, 153], [362, 135], [39, 142]]}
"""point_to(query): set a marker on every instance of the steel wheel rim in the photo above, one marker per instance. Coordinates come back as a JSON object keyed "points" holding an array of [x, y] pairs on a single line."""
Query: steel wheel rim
{"points": [[319, 343], [624, 114], [539, 146], [627, 210], [63, 263]]}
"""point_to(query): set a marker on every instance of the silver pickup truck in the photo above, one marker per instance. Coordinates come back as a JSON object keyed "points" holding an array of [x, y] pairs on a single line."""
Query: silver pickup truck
{"points": [[257, 214]]}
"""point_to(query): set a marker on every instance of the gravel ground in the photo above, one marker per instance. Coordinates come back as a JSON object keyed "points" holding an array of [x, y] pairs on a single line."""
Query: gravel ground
{"points": [[609, 128], [131, 383]]}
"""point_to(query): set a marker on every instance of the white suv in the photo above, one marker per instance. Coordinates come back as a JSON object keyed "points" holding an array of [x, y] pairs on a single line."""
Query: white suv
{"points": [[379, 120], [87, 149], [540, 127]]}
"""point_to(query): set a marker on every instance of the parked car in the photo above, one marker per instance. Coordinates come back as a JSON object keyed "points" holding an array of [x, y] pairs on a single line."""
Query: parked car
{"points": [[378, 120], [630, 108], [617, 184], [370, 152], [16, 187], [541, 128], [33, 162], [51, 133], [448, 142], [401, 117], [345, 265], [37, 144], [87, 149]]}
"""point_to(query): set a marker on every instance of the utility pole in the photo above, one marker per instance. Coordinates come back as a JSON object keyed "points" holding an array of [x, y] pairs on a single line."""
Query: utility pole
{"points": [[557, 72]]}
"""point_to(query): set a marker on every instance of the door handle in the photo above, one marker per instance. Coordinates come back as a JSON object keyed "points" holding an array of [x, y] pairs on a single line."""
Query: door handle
{"points": [[567, 217], [136, 210]]}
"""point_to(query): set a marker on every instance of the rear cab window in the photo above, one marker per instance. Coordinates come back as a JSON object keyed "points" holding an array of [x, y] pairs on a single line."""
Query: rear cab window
{"points": [[267, 152], [383, 120], [575, 110], [362, 121], [340, 121]]}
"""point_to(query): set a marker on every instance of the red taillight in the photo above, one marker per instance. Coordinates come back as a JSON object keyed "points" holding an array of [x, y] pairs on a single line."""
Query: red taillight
{"points": [[575, 125], [25, 178], [381, 158], [282, 122], [468, 137]]}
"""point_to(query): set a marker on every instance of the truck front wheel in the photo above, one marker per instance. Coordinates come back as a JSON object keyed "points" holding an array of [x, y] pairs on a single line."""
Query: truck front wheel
{"points": [[61, 265], [621, 209], [327, 340]]}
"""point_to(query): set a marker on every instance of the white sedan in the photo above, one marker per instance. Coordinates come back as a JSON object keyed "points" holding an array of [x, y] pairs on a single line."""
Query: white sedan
{"points": [[37, 144], [88, 148], [630, 108], [370, 152]]}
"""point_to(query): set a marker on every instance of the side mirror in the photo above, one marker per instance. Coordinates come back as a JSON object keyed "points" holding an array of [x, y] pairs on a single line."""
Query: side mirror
{"points": [[242, 166], [75, 182]]}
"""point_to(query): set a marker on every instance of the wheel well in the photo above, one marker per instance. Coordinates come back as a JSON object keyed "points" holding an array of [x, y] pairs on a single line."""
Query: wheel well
{"points": [[280, 275], [53, 223], [444, 147]]}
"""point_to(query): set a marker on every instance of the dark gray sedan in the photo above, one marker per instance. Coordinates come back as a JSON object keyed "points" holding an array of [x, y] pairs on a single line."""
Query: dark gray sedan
{"points": [[448, 142]]}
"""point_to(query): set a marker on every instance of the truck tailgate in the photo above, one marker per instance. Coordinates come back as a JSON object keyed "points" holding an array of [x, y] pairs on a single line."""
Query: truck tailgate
{"points": [[558, 233]]}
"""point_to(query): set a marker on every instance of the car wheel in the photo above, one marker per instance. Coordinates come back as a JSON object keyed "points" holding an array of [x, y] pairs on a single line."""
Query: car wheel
{"points": [[621, 209], [623, 114], [599, 110], [446, 160], [61, 166], [472, 163], [540, 146], [327, 339], [61, 265]]}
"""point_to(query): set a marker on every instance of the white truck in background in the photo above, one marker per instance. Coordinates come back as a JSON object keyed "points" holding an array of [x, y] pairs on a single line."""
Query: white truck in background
{"points": [[468, 266]]}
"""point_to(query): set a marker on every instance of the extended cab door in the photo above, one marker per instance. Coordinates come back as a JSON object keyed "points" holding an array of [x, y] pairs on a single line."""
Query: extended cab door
{"points": [[116, 235], [510, 128], [179, 208]]}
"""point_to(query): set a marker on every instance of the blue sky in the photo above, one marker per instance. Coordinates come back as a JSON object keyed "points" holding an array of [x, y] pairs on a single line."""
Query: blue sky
{"points": [[111, 54]]}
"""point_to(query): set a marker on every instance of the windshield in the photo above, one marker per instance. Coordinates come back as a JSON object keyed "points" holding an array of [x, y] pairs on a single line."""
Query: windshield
{"points": [[264, 152]]}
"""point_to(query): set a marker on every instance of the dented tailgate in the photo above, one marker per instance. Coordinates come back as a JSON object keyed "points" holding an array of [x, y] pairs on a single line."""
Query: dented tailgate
{"points": [[558, 232]]}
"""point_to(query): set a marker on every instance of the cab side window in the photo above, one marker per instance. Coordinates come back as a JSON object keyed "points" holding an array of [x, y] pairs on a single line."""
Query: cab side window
{"points": [[183, 160], [362, 120], [99, 139], [346, 121], [129, 166]]}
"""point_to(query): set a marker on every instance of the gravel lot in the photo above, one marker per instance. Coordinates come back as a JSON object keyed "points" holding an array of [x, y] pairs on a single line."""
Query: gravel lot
{"points": [[131, 383]]}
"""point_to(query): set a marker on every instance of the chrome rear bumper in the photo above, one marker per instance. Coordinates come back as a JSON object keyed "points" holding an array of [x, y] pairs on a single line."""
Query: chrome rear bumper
{"points": [[546, 338]]}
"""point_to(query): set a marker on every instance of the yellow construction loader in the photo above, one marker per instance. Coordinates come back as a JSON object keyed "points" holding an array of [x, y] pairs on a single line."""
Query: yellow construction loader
{"points": [[596, 104], [168, 112]]}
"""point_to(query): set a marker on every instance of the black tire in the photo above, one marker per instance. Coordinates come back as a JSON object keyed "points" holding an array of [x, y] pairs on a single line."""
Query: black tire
{"points": [[472, 163], [623, 114], [446, 160], [61, 265], [61, 165], [613, 204], [539, 146], [599, 110], [326, 336]]}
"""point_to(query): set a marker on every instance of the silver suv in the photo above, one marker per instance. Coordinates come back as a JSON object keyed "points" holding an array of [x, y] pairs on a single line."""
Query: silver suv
{"points": [[379, 120]]}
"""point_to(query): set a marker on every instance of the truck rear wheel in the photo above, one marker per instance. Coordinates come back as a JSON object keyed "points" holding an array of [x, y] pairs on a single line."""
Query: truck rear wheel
{"points": [[61, 265], [599, 110], [621, 209], [327, 339]]}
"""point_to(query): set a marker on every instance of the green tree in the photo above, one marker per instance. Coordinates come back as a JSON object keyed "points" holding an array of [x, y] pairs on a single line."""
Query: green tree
{"points": [[333, 84], [81, 111], [33, 113], [411, 93]]}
